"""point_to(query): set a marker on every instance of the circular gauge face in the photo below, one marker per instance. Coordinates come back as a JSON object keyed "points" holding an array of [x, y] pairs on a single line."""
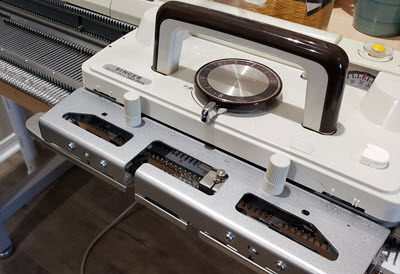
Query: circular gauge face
{"points": [[238, 84], [359, 79]]}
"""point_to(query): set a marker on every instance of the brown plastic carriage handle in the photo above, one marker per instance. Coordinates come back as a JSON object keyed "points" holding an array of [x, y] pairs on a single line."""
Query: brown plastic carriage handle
{"points": [[325, 63]]}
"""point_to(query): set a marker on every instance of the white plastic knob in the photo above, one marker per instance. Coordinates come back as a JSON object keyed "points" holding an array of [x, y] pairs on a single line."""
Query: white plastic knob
{"points": [[145, 32], [133, 115], [375, 157], [276, 175]]}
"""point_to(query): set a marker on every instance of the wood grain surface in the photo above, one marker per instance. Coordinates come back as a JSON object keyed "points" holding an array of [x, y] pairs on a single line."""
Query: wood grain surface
{"points": [[291, 10], [341, 19], [23, 99]]}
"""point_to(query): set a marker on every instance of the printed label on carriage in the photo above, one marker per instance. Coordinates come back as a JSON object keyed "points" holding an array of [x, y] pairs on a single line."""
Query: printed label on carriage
{"points": [[127, 74]]}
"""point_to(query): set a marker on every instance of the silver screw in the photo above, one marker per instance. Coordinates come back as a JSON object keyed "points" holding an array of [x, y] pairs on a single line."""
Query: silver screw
{"points": [[87, 154], [229, 237], [103, 163], [253, 250], [71, 146], [221, 173], [281, 266]]}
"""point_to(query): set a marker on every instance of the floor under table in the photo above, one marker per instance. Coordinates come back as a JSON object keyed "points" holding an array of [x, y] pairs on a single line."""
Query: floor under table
{"points": [[52, 232]]}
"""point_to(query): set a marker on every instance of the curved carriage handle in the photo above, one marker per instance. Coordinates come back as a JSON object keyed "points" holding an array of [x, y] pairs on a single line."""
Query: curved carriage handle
{"points": [[325, 63]]}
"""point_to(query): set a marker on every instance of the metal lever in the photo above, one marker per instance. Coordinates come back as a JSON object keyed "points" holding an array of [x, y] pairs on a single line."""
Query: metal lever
{"points": [[210, 111], [325, 63]]}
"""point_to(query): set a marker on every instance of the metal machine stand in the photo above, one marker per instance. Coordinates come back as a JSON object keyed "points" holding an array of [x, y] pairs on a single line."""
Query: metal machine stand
{"points": [[16, 114], [37, 180]]}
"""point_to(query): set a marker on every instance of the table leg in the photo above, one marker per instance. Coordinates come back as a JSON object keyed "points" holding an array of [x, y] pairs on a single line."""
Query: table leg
{"points": [[25, 190], [6, 247], [16, 114]]}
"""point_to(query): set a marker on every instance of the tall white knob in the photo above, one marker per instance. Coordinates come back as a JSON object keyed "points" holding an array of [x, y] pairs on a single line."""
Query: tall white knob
{"points": [[133, 113], [276, 175]]}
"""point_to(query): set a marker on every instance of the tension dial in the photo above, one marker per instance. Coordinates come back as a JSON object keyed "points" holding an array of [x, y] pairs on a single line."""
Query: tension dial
{"points": [[237, 84]]}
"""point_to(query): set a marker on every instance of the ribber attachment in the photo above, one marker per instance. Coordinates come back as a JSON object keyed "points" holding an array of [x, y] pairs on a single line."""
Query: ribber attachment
{"points": [[133, 115], [276, 175]]}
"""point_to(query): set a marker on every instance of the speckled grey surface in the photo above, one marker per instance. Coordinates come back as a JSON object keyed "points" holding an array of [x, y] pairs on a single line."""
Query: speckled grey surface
{"points": [[356, 239]]}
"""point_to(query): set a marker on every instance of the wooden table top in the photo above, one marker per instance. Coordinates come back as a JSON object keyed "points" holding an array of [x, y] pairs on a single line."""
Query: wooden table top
{"points": [[22, 98]]}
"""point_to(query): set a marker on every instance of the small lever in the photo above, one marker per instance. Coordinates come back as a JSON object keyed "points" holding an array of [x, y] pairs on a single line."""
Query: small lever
{"points": [[210, 111]]}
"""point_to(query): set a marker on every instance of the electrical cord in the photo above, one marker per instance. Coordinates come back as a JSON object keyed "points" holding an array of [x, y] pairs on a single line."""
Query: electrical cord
{"points": [[102, 233]]}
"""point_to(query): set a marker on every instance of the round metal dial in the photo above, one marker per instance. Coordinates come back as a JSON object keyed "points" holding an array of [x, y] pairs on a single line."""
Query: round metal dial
{"points": [[238, 84]]}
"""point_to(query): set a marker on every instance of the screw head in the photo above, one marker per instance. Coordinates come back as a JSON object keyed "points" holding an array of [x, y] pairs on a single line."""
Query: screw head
{"points": [[253, 250], [87, 154], [103, 163], [221, 173], [281, 266], [229, 237], [71, 146]]}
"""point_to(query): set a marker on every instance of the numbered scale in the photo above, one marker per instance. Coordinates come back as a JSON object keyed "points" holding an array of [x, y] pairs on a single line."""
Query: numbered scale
{"points": [[359, 79]]}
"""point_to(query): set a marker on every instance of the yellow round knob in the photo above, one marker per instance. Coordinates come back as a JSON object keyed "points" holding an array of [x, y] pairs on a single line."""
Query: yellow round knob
{"points": [[376, 51], [378, 47]]}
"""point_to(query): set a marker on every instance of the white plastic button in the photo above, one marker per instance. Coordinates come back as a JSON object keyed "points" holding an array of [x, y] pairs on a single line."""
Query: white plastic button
{"points": [[374, 156]]}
